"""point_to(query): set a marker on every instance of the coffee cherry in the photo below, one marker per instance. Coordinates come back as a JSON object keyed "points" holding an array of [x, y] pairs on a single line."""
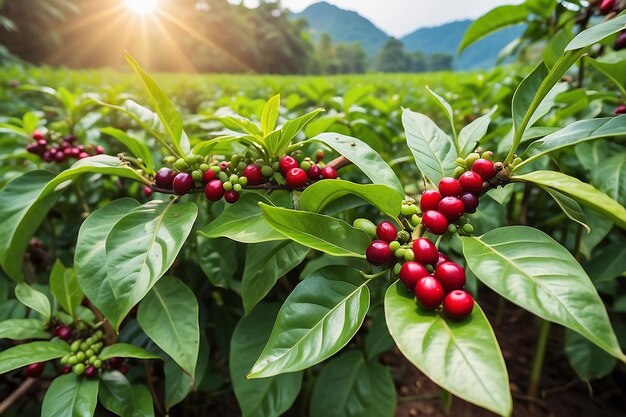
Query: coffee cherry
{"points": [[607, 6], [458, 304], [34, 370], [430, 200], [296, 178], [63, 333], [91, 372], [183, 183], [425, 251], [449, 187], [441, 258], [253, 174], [378, 253], [386, 231], [410, 273], [329, 173], [365, 225], [620, 42], [435, 222], [231, 196], [164, 178], [429, 292], [66, 369], [315, 172], [79, 368], [451, 275], [471, 158], [214, 190], [319, 155], [484, 168], [288, 163], [470, 202], [37, 135], [452, 208], [147, 191], [621, 109], [471, 182]]}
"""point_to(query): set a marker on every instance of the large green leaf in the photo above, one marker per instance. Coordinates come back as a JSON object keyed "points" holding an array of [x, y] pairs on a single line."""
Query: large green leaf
{"points": [[529, 268], [126, 350], [447, 109], [265, 264], [264, 397], [141, 247], [270, 114], [582, 192], [589, 361], [34, 299], [27, 353], [470, 135], [169, 316], [431, 147], [610, 176], [364, 157], [317, 231], [291, 128], [71, 396], [494, 20], [463, 357], [125, 400], [613, 65], [569, 206], [137, 147], [348, 386], [317, 196], [65, 288], [20, 329], [318, 319], [598, 32], [90, 255]]}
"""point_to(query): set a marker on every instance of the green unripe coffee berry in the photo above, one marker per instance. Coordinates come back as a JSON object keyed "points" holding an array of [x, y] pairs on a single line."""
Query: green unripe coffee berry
{"points": [[81, 356], [365, 225], [243, 180], [75, 346], [237, 187], [233, 179], [92, 359], [399, 253], [96, 347], [430, 268], [415, 209], [452, 228], [228, 186], [406, 210], [241, 166], [403, 236], [79, 368], [230, 166], [84, 346], [416, 220], [65, 359], [458, 171], [139, 161], [267, 171], [97, 363], [204, 167], [190, 159], [275, 167], [305, 165], [394, 246], [487, 155], [463, 220], [72, 360], [196, 175], [235, 159], [516, 161], [216, 170], [89, 341], [460, 162], [471, 158], [90, 353], [409, 255], [223, 176], [169, 159], [396, 269], [468, 229], [181, 165], [199, 159]]}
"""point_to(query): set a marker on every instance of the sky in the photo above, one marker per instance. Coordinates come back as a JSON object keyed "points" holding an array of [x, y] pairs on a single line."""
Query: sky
{"points": [[400, 17]]}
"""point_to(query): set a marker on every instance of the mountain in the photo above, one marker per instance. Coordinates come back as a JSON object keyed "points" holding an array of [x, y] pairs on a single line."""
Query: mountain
{"points": [[343, 26], [446, 39]]}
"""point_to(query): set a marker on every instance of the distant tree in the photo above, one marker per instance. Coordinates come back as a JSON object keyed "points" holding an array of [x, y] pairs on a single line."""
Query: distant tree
{"points": [[352, 58], [440, 62], [392, 57], [419, 62]]}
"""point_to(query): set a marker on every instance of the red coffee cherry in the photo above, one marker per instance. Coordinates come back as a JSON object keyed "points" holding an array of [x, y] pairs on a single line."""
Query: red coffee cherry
{"points": [[91, 372], [621, 109], [484, 168], [147, 191], [315, 172], [429, 292], [34, 370], [183, 183], [288, 163], [435, 222], [253, 174], [607, 6], [63, 333], [378, 253], [231, 196], [66, 369], [452, 208], [471, 182], [430, 200], [329, 173], [37, 135], [425, 251], [296, 178], [410, 273], [458, 304], [115, 363], [470, 202], [163, 178], [620, 42], [449, 187], [209, 175], [214, 190], [451, 275], [442, 258], [386, 231]]}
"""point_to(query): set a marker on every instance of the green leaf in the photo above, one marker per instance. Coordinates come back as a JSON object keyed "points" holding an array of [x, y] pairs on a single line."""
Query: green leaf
{"points": [[598, 32], [569, 206], [317, 231], [608, 264], [22, 209], [169, 316], [265, 397], [316, 321], [136, 147], [348, 386], [493, 21], [27, 353], [164, 108], [364, 157], [613, 65], [582, 192], [33, 299], [65, 288], [123, 399], [141, 247], [240, 124], [610, 177], [462, 357], [317, 196], [125, 350], [447, 109], [90, 255], [529, 268], [589, 361], [20, 329], [470, 135], [431, 147], [71, 396], [291, 128], [265, 264], [270, 115], [556, 46]]}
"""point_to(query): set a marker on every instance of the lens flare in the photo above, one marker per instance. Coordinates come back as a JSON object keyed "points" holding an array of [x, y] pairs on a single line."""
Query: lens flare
{"points": [[143, 7]]}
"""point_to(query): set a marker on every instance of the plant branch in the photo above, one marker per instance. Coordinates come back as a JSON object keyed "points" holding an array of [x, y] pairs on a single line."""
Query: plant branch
{"points": [[15, 395], [155, 397]]}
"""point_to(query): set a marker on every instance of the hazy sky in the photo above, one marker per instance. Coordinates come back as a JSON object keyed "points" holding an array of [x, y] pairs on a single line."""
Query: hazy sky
{"points": [[399, 17]]}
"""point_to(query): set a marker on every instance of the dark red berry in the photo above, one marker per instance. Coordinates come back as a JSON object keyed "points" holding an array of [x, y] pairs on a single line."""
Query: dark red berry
{"points": [[620, 42], [223, 165], [231, 196], [66, 369], [410, 273], [471, 182], [208, 175], [288, 163], [315, 172], [452, 208], [34, 370], [621, 109], [33, 148], [164, 178], [430, 200], [449, 187], [83, 155], [458, 304], [296, 178], [147, 191], [123, 369], [435, 222], [183, 183], [429, 292], [47, 156], [99, 150], [63, 333], [378, 253], [386, 231], [441, 258], [133, 311], [214, 190], [607, 6], [60, 157], [484, 168], [451, 275], [115, 363], [425, 251], [329, 173], [470, 202], [91, 372], [37, 135], [253, 174]]}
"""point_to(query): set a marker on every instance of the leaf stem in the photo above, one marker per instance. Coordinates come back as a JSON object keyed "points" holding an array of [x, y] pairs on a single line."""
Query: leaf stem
{"points": [[540, 353], [15, 395], [150, 384]]}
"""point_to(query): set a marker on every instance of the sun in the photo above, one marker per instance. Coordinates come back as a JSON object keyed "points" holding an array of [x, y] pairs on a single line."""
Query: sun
{"points": [[143, 7]]}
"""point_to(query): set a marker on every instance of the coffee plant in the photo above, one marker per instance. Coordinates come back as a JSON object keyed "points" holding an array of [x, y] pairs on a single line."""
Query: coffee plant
{"points": [[156, 256]]}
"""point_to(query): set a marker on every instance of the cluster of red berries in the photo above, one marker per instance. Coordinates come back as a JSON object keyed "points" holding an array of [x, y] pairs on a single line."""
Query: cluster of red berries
{"points": [[66, 148], [444, 285], [614, 6]]}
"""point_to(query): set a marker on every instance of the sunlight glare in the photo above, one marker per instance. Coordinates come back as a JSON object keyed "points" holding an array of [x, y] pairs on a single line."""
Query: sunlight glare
{"points": [[143, 7]]}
